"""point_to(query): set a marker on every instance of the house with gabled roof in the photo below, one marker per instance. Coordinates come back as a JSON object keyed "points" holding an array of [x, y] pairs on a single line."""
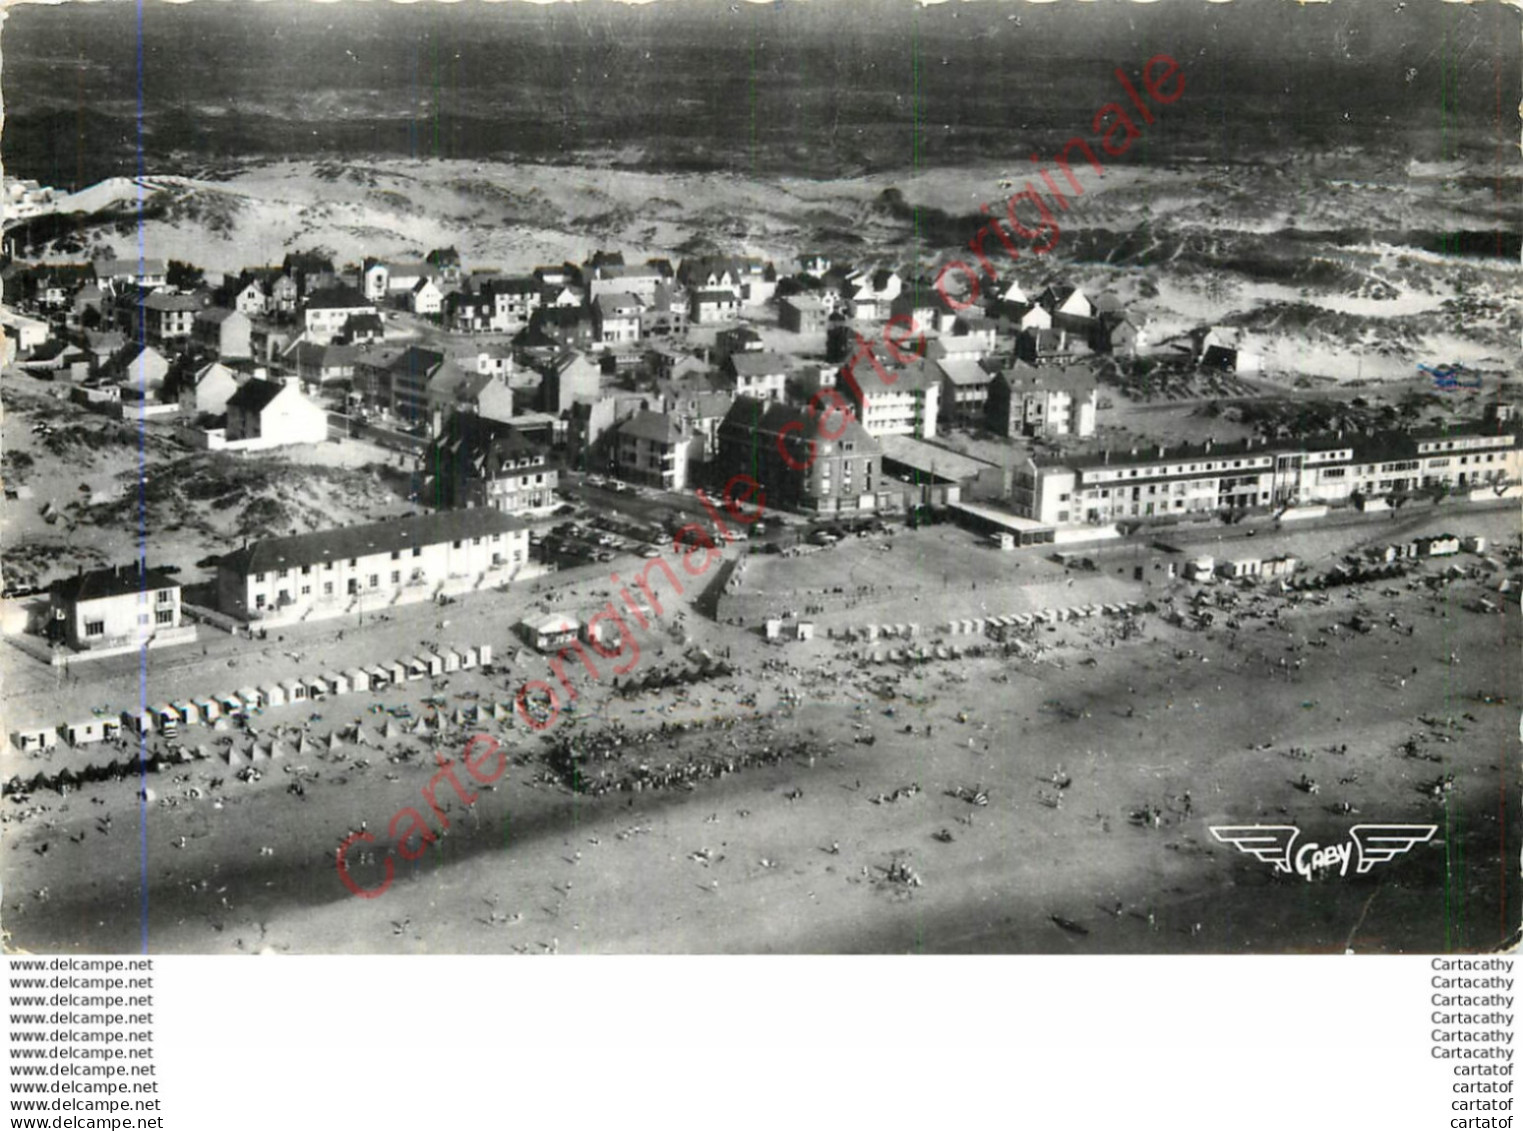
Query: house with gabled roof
{"points": [[361, 329], [475, 461], [964, 392], [453, 389], [130, 272], [327, 311], [802, 313], [268, 414], [426, 299], [224, 332], [755, 373], [710, 305], [1069, 306], [318, 364], [1054, 400], [652, 448], [446, 262], [208, 391], [565, 377], [619, 279], [616, 317], [119, 607], [144, 373], [870, 292]]}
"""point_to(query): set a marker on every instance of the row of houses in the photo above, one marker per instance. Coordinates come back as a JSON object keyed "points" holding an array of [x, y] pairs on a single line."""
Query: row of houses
{"points": [[1101, 487]]}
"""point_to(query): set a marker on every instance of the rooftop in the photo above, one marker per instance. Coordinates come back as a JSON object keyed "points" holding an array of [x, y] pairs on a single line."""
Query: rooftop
{"points": [[345, 542], [115, 581], [339, 297], [756, 363], [657, 427], [255, 394], [942, 463], [964, 373]]}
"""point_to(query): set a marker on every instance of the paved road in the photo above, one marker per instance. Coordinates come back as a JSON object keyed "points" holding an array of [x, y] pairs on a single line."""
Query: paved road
{"points": [[344, 426]]}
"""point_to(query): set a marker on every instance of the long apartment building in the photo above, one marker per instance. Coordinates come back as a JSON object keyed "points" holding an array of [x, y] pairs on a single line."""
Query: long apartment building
{"points": [[1107, 486], [369, 567]]}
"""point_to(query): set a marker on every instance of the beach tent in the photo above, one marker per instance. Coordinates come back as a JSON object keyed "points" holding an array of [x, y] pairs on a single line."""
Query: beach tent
{"points": [[188, 711], [335, 683], [451, 660], [295, 689], [417, 667], [273, 694], [210, 710], [317, 687], [251, 697], [484, 653], [433, 664], [396, 671], [468, 658], [230, 703], [379, 675], [359, 679]]}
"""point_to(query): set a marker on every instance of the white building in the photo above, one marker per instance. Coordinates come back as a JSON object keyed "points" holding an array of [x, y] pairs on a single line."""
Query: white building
{"points": [[361, 568]]}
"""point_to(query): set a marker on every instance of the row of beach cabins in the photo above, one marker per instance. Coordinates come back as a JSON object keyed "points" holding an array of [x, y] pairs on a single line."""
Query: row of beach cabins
{"points": [[167, 718], [996, 627]]}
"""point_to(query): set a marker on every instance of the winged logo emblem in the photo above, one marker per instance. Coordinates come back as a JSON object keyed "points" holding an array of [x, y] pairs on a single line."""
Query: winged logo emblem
{"points": [[1269, 843], [1367, 846], [1380, 844]]}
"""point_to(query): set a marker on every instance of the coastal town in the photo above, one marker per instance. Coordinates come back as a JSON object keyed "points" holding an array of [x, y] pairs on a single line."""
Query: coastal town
{"points": [[892, 483]]}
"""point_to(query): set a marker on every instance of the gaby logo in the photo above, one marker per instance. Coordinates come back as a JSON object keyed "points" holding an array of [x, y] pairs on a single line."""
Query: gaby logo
{"points": [[1367, 846]]}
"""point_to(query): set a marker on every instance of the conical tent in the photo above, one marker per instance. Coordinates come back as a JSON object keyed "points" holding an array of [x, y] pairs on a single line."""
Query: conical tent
{"points": [[390, 730], [459, 716], [304, 745], [501, 711], [279, 749], [334, 742], [421, 726], [234, 758], [221, 724], [259, 754], [363, 737]]}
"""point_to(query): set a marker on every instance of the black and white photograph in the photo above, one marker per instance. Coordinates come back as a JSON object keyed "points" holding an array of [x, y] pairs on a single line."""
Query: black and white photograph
{"points": [[812, 477]]}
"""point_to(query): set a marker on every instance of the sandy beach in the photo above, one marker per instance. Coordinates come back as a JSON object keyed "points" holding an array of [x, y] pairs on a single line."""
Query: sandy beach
{"points": [[899, 822]]}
